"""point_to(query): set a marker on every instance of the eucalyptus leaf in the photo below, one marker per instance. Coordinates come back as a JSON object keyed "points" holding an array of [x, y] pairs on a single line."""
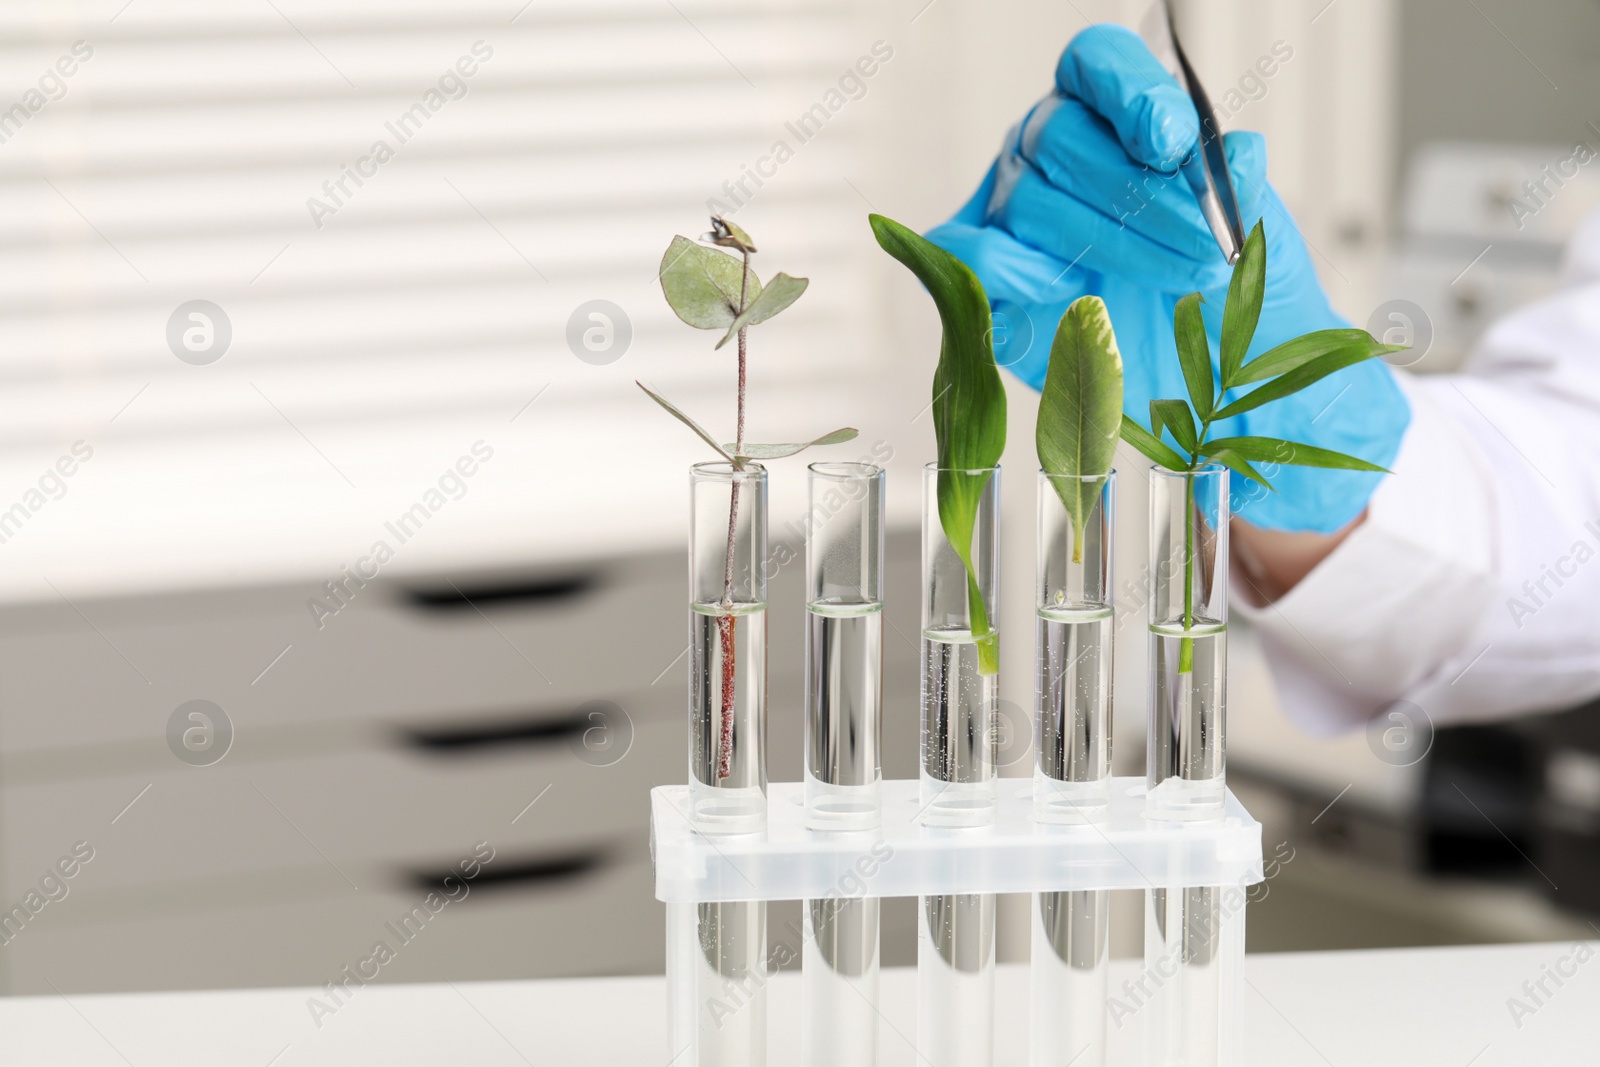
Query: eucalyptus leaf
{"points": [[1294, 381], [1289, 453], [782, 451], [775, 296], [969, 404], [1243, 309], [1080, 410], [1194, 354], [1296, 353], [726, 233], [1175, 416], [1152, 446], [677, 413], [702, 285]]}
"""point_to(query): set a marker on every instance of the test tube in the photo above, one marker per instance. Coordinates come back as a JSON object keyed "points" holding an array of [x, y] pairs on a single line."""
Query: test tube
{"points": [[844, 646], [716, 954], [844, 699], [1072, 772]]}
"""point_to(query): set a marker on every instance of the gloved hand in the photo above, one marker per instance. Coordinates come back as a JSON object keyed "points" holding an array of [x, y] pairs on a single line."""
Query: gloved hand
{"points": [[1086, 198]]}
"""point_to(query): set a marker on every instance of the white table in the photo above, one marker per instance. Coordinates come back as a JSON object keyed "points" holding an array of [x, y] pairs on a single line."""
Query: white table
{"points": [[1411, 1007]]}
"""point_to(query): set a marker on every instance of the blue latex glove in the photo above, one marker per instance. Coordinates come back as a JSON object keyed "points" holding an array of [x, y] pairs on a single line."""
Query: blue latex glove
{"points": [[1085, 198]]}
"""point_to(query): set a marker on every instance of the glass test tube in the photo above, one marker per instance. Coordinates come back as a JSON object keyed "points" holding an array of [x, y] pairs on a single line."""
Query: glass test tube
{"points": [[844, 646], [959, 703], [1073, 694], [955, 980], [1072, 772], [844, 698], [717, 957], [1188, 642], [1185, 761], [728, 625]]}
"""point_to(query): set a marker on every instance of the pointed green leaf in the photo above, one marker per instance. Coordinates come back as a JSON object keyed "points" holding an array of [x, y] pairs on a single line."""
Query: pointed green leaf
{"points": [[783, 451], [1297, 379], [1080, 409], [1288, 453], [1175, 416], [969, 403], [774, 297], [1194, 354], [1153, 447], [675, 412], [1302, 350], [1243, 309], [1239, 465], [702, 285]]}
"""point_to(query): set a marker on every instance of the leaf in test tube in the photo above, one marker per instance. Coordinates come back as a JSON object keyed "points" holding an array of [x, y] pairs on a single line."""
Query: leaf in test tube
{"points": [[1080, 410], [673, 410], [774, 297], [969, 404]]}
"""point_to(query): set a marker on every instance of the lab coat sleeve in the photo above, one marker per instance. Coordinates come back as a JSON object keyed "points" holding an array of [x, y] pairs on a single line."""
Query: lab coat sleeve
{"points": [[1472, 590]]}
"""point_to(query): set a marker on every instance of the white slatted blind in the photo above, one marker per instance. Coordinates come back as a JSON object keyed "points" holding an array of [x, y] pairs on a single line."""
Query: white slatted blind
{"points": [[432, 303]]}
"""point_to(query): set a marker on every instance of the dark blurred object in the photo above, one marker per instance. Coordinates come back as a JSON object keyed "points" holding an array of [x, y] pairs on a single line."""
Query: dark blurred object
{"points": [[1567, 817], [1479, 795]]}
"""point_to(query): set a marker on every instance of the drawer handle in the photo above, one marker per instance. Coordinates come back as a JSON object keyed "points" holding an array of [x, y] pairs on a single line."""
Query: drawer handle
{"points": [[508, 873], [532, 593], [454, 739]]}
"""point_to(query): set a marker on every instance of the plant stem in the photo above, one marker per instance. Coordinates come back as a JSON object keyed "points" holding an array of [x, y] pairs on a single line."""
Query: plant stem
{"points": [[725, 621], [1186, 644]]}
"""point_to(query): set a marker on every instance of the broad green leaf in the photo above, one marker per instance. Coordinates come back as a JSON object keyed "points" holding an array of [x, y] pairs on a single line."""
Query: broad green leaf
{"points": [[1288, 453], [1239, 465], [1297, 379], [774, 297], [782, 451], [1194, 354], [677, 413], [702, 285], [1175, 416], [1243, 309], [969, 403], [1080, 409], [1302, 350], [1152, 446]]}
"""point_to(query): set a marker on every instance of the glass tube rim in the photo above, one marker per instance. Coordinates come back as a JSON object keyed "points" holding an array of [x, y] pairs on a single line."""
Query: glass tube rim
{"points": [[1206, 470], [720, 470], [1112, 473], [934, 468], [845, 471]]}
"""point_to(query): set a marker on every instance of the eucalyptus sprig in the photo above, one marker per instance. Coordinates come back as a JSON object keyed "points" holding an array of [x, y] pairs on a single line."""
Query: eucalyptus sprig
{"points": [[1282, 372], [969, 405], [714, 290], [1080, 410]]}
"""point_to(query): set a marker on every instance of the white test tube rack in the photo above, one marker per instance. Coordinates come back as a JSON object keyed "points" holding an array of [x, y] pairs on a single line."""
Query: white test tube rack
{"points": [[1126, 849]]}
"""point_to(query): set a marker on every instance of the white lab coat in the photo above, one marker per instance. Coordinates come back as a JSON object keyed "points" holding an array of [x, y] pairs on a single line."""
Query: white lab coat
{"points": [[1473, 588]]}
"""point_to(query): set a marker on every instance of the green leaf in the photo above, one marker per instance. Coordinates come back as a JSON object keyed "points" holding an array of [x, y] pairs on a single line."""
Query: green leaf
{"points": [[1194, 354], [1239, 465], [783, 451], [726, 234], [1152, 446], [774, 297], [1243, 309], [702, 285], [1302, 350], [1297, 379], [969, 403], [1080, 409], [675, 412], [1288, 453], [1175, 416]]}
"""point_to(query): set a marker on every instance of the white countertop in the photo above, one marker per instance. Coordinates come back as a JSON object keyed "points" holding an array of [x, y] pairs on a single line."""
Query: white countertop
{"points": [[1411, 1007]]}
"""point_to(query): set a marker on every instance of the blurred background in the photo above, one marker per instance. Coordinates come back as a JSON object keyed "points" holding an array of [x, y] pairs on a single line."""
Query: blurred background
{"points": [[337, 545]]}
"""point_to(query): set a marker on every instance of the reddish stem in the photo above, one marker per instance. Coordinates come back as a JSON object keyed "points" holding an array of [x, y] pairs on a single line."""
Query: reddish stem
{"points": [[725, 621]]}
